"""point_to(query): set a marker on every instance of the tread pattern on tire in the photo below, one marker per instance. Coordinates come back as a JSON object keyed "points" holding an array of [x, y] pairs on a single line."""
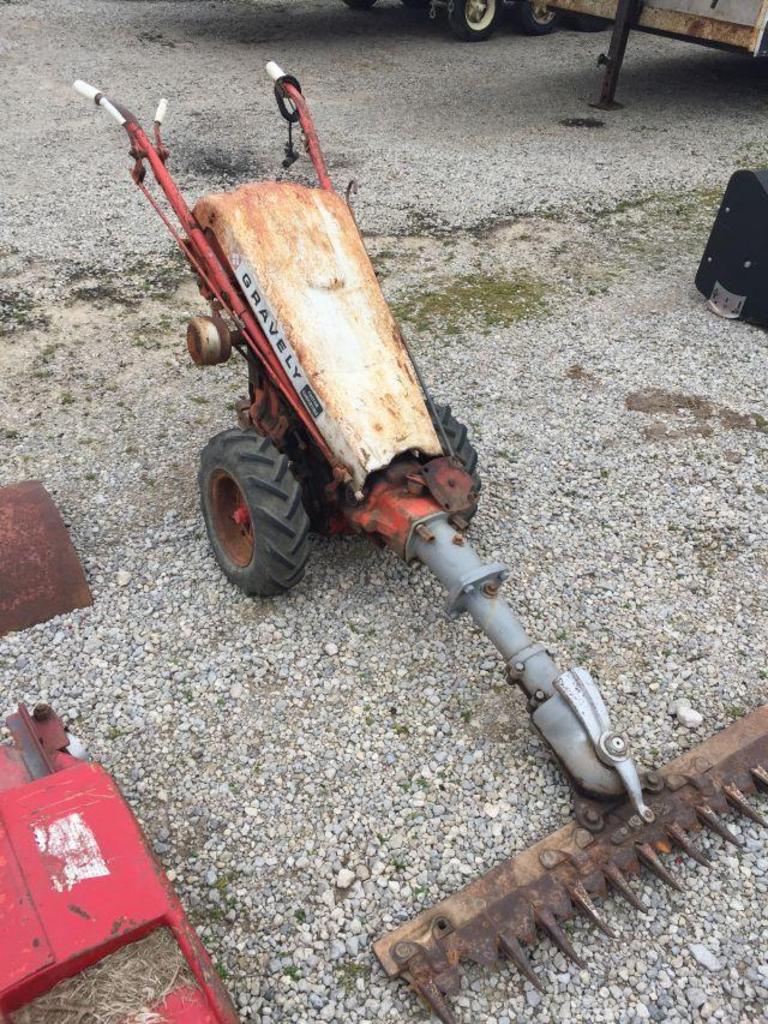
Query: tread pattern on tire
{"points": [[458, 438], [273, 495]]}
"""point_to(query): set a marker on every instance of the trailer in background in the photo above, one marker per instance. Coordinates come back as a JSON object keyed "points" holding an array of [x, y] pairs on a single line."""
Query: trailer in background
{"points": [[472, 21], [735, 25]]}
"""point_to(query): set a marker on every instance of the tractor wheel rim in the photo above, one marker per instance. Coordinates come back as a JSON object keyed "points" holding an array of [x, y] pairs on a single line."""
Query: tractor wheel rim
{"points": [[231, 519], [542, 14], [479, 13]]}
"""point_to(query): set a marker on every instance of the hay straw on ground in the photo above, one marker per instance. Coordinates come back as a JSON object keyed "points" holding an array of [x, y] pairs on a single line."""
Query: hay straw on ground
{"points": [[121, 989]]}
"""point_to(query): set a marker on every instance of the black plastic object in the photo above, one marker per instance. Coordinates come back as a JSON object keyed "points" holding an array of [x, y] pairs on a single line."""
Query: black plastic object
{"points": [[733, 273]]}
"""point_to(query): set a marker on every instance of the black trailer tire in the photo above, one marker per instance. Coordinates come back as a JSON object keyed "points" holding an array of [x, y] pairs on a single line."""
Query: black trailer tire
{"points": [[253, 512], [472, 21], [533, 20], [588, 23], [458, 439], [360, 5]]}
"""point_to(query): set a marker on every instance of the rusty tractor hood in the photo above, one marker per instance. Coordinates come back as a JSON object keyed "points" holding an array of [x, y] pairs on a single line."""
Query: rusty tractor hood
{"points": [[303, 266]]}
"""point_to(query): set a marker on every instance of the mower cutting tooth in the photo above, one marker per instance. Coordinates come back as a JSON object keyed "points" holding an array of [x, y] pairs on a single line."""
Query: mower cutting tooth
{"points": [[583, 902], [648, 856], [737, 800], [708, 818], [679, 838], [760, 776], [513, 950], [547, 921], [618, 882], [430, 994]]}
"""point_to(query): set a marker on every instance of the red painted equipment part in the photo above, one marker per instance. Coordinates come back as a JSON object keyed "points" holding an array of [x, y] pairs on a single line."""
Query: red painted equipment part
{"points": [[40, 575], [78, 880]]}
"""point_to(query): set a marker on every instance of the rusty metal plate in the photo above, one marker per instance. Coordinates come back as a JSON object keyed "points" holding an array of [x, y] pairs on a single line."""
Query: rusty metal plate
{"points": [[304, 270], [450, 485], [531, 895], [40, 574]]}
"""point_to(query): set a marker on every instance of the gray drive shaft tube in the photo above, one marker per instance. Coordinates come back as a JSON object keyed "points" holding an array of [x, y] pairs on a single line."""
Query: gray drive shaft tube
{"points": [[473, 586]]}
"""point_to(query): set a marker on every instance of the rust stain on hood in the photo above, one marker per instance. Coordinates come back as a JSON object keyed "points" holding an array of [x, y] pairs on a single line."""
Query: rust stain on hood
{"points": [[306, 253]]}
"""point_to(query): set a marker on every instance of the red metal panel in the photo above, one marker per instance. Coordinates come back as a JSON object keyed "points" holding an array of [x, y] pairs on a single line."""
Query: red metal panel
{"points": [[186, 1006], [81, 877], [82, 853], [24, 944]]}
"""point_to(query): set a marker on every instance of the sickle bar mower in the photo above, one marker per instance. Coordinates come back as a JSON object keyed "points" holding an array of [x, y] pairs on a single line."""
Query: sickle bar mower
{"points": [[339, 433]]}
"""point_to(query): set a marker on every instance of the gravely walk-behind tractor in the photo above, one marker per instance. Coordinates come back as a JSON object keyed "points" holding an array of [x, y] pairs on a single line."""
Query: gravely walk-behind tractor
{"points": [[339, 434]]}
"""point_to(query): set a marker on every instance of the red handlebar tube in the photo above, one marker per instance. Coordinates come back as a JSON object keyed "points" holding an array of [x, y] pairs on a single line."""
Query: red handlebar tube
{"points": [[310, 133]]}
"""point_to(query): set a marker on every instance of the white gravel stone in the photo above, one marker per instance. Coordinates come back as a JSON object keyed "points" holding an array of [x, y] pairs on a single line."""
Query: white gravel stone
{"points": [[345, 878], [705, 957], [688, 717]]}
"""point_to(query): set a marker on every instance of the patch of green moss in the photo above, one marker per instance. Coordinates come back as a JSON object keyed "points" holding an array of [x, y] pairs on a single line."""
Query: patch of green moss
{"points": [[155, 278], [350, 972], [684, 203], [489, 301], [755, 155], [19, 311]]}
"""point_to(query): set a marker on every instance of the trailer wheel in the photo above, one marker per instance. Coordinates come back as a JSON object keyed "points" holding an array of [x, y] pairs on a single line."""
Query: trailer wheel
{"points": [[360, 5], [463, 449], [534, 18], [472, 20], [253, 512], [588, 23]]}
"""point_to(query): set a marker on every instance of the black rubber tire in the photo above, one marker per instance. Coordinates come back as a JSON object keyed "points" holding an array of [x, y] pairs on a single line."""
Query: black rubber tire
{"points": [[524, 18], [243, 466], [587, 23], [462, 26], [458, 438], [360, 5]]}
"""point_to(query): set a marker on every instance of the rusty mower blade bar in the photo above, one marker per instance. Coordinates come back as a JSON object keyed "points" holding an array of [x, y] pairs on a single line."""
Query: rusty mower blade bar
{"points": [[534, 893], [40, 575]]}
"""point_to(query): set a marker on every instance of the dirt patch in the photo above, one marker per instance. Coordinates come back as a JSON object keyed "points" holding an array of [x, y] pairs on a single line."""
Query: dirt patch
{"points": [[581, 122], [700, 413], [577, 372]]}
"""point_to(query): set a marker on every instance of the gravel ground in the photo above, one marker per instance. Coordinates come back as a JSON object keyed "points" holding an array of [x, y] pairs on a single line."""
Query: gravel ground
{"points": [[544, 275]]}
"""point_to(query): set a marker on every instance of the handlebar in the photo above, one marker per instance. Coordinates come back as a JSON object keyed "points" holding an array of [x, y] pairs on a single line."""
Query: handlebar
{"points": [[274, 71], [92, 93], [294, 109]]}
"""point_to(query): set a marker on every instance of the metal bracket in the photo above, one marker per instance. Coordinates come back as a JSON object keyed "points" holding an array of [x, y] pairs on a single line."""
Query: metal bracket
{"points": [[516, 664], [472, 581], [725, 303], [582, 694]]}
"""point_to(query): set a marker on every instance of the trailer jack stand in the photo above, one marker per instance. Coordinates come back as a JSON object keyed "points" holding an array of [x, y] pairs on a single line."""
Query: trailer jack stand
{"points": [[627, 13]]}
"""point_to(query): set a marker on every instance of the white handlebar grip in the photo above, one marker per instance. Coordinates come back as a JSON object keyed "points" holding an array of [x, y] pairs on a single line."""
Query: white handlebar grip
{"points": [[89, 91], [162, 110], [106, 105], [274, 71]]}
